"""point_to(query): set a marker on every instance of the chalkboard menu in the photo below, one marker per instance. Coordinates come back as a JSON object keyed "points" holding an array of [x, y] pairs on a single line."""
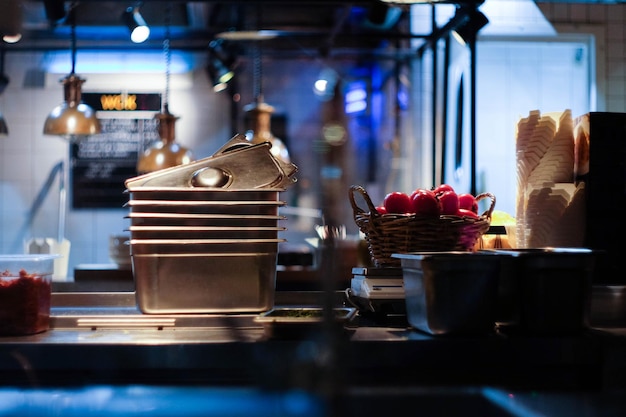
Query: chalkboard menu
{"points": [[101, 163]]}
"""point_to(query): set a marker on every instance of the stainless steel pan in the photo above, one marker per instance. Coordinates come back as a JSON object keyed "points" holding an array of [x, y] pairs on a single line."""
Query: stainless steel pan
{"points": [[239, 166]]}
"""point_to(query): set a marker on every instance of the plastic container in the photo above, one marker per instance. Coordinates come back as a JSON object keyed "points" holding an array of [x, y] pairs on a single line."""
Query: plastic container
{"points": [[25, 293], [451, 293]]}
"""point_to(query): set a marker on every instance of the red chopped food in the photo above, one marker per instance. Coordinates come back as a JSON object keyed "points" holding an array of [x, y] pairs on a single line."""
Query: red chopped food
{"points": [[24, 303]]}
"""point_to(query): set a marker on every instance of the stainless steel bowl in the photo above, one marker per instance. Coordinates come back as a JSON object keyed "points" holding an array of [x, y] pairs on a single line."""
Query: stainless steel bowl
{"points": [[203, 232]]}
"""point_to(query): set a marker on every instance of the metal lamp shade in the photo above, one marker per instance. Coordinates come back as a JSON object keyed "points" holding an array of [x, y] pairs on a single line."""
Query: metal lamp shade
{"points": [[166, 153], [72, 118]]}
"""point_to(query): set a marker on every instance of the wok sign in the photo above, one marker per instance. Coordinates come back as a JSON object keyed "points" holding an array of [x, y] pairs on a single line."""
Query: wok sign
{"points": [[101, 163]]}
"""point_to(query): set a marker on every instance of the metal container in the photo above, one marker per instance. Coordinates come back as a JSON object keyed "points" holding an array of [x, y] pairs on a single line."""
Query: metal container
{"points": [[209, 220], [205, 283], [202, 246], [451, 293], [205, 207], [608, 306], [203, 194], [203, 232], [301, 322], [238, 166], [547, 291]]}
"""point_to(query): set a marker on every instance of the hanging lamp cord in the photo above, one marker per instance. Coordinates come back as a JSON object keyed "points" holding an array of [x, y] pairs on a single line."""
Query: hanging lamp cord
{"points": [[73, 39], [258, 71], [257, 76], [167, 53]]}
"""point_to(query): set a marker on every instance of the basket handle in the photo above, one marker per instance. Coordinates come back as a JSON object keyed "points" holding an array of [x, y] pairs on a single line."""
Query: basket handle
{"points": [[492, 205], [355, 208]]}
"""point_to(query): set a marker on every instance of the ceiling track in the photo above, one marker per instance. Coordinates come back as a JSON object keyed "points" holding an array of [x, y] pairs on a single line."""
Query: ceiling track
{"points": [[336, 34], [195, 24]]}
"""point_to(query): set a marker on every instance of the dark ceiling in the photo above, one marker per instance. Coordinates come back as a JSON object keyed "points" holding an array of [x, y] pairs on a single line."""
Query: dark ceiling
{"points": [[300, 26], [297, 24]]}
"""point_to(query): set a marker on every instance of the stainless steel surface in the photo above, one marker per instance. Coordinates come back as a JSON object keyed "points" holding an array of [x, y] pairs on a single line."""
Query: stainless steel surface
{"points": [[548, 290], [217, 283], [193, 247], [203, 232], [203, 194], [113, 317], [209, 269], [608, 306], [130, 318], [451, 293], [289, 322], [177, 219], [85, 347], [244, 167], [205, 207]]}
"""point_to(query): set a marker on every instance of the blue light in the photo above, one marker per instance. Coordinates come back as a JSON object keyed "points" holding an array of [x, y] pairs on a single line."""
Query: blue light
{"points": [[356, 97], [139, 401], [117, 62]]}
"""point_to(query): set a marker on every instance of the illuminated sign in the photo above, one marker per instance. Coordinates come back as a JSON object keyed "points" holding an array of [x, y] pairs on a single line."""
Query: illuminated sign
{"points": [[123, 101]]}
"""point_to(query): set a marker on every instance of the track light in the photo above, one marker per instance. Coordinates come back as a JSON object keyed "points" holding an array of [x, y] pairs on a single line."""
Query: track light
{"points": [[11, 21], [475, 22], [139, 30], [220, 65], [55, 10]]}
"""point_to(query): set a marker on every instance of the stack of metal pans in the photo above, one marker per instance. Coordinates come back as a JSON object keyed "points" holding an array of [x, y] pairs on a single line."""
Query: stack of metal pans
{"points": [[206, 249]]}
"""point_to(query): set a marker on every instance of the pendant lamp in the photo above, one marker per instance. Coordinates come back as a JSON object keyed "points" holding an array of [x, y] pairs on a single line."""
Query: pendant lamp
{"points": [[165, 153], [261, 115], [72, 119]]}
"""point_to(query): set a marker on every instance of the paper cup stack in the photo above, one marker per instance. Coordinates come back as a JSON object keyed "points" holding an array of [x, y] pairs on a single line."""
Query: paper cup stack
{"points": [[550, 204]]}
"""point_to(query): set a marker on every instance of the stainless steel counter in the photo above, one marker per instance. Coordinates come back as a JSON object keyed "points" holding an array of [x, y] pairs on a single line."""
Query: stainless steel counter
{"points": [[102, 338], [109, 359]]}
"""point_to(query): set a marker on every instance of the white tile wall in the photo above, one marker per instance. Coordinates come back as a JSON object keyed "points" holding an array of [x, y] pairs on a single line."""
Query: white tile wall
{"points": [[515, 78], [27, 156], [613, 18]]}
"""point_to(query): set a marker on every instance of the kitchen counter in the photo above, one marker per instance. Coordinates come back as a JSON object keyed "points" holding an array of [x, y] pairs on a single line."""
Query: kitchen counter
{"points": [[103, 338], [101, 342]]}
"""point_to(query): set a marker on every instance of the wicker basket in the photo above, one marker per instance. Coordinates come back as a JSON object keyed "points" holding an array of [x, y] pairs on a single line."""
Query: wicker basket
{"points": [[387, 234]]}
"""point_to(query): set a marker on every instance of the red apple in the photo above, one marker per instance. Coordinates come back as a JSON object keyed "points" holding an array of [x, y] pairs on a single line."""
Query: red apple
{"points": [[449, 201], [381, 210], [425, 203], [397, 202], [466, 213], [468, 202], [441, 188]]}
